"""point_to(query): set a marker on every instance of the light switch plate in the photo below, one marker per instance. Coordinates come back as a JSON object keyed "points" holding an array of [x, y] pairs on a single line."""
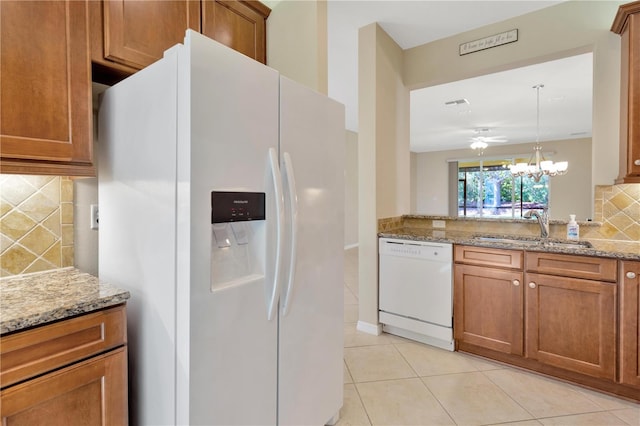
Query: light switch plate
{"points": [[95, 219]]}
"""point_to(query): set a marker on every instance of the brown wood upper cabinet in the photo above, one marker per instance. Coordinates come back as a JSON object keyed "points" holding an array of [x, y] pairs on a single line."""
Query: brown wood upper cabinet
{"points": [[629, 332], [138, 32], [240, 25], [45, 88], [627, 24], [128, 35]]}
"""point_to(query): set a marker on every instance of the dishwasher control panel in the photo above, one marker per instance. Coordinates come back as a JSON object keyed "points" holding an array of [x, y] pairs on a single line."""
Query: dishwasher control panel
{"points": [[416, 249]]}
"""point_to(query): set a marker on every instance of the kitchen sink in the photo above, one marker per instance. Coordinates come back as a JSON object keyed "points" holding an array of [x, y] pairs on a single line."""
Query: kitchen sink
{"points": [[535, 243], [503, 240], [569, 245]]}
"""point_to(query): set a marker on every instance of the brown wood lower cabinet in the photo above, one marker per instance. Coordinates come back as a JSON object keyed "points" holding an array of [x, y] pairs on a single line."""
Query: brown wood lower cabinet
{"points": [[488, 308], [570, 323], [90, 392], [629, 323], [66, 373], [567, 316]]}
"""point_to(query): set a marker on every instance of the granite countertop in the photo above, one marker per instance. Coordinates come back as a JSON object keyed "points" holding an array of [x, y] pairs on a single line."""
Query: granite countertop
{"points": [[35, 299], [601, 248], [495, 219]]}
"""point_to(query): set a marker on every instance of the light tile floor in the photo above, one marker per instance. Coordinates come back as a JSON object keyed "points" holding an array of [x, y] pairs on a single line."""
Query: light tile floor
{"points": [[389, 380]]}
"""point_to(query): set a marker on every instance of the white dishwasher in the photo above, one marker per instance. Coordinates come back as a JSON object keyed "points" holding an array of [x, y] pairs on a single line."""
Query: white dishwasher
{"points": [[416, 290]]}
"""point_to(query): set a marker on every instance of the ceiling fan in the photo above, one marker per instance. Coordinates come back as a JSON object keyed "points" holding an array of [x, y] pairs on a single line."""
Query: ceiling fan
{"points": [[481, 142]]}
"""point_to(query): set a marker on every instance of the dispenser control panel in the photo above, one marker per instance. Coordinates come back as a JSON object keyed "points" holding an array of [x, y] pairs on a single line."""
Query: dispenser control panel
{"points": [[227, 206]]}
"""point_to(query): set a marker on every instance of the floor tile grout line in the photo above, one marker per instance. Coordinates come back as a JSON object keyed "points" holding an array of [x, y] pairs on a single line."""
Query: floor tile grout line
{"points": [[587, 393], [438, 400], [576, 414], [405, 360], [621, 419], [346, 286], [364, 407], [504, 391], [601, 410]]}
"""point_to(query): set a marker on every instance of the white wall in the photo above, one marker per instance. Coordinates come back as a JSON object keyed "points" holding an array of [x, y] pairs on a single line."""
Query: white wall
{"points": [[297, 41], [351, 191], [85, 193], [569, 194], [383, 155]]}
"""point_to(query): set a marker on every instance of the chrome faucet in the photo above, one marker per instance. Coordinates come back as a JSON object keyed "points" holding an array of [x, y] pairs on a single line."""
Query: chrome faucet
{"points": [[543, 221]]}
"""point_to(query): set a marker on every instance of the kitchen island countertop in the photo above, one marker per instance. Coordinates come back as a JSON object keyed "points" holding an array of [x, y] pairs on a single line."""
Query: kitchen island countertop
{"points": [[601, 248], [42, 297]]}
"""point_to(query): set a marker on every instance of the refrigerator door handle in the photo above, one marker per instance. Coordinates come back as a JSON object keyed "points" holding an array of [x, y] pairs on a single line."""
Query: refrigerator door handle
{"points": [[293, 208], [272, 303]]}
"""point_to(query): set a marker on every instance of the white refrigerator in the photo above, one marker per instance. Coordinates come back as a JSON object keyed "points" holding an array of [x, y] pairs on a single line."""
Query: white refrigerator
{"points": [[221, 210]]}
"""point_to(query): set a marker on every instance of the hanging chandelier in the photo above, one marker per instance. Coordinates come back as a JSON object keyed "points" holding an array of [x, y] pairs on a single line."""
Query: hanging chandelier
{"points": [[538, 166]]}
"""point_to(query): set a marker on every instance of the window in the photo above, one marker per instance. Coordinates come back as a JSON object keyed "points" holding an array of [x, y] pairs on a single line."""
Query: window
{"points": [[486, 188]]}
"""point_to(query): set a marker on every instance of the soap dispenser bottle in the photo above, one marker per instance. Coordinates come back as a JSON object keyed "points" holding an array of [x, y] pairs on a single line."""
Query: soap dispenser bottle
{"points": [[573, 229]]}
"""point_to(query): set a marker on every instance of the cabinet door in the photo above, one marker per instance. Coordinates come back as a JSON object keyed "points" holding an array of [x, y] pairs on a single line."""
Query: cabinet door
{"points": [[571, 323], [627, 24], [630, 99], [45, 88], [629, 323], [136, 32], [238, 24], [92, 392], [488, 308]]}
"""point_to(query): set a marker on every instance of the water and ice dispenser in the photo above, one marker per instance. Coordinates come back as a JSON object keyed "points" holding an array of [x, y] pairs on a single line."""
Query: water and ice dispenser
{"points": [[237, 238]]}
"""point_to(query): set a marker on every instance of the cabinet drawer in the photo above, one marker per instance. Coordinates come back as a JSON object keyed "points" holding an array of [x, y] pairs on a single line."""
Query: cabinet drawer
{"points": [[92, 392], [485, 256], [36, 351], [566, 265]]}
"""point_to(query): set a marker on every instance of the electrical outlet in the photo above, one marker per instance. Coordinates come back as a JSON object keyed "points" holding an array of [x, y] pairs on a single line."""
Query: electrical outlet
{"points": [[438, 224], [94, 216]]}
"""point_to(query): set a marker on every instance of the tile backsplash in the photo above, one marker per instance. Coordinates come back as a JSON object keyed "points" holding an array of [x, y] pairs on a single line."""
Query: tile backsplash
{"points": [[618, 208], [616, 218], [36, 223]]}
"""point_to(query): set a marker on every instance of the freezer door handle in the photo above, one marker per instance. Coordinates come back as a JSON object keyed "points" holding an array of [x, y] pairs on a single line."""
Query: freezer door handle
{"points": [[293, 243], [272, 302]]}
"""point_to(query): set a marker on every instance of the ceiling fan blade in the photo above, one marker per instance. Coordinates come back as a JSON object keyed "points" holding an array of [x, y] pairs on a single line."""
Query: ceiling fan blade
{"points": [[489, 139]]}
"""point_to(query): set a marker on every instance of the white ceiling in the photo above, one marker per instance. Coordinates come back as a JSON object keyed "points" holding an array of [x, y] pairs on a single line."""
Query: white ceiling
{"points": [[505, 104], [412, 23]]}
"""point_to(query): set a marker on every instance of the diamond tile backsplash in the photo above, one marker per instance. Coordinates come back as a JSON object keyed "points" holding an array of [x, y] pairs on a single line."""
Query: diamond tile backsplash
{"points": [[36, 223], [618, 208]]}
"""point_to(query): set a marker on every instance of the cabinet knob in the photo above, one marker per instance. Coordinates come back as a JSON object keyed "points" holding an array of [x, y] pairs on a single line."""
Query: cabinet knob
{"points": [[637, 162], [516, 283], [532, 285], [631, 275]]}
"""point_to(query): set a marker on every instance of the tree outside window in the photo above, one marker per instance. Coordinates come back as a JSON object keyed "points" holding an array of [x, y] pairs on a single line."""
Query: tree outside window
{"points": [[486, 188]]}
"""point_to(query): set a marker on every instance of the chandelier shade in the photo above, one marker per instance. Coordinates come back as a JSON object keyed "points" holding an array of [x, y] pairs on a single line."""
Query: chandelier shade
{"points": [[538, 166]]}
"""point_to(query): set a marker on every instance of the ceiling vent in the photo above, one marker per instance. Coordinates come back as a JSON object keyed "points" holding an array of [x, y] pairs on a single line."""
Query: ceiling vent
{"points": [[457, 102]]}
